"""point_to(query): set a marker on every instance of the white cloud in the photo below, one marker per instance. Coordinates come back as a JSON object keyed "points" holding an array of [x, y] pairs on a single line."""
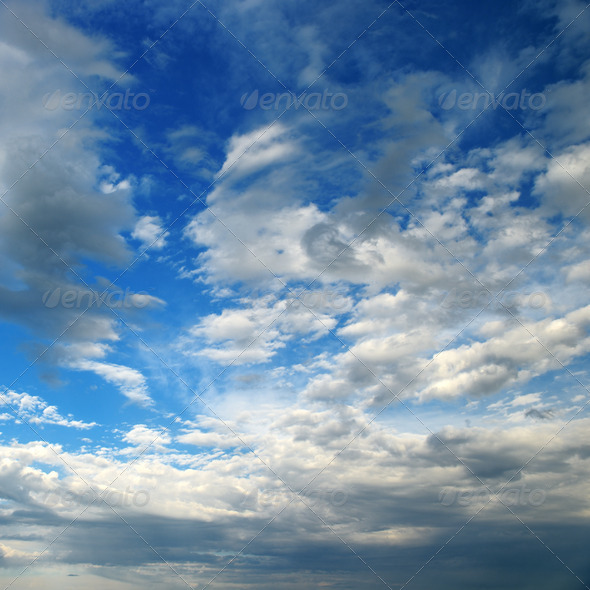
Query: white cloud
{"points": [[149, 231], [255, 333], [35, 410], [482, 395], [144, 437], [130, 382]]}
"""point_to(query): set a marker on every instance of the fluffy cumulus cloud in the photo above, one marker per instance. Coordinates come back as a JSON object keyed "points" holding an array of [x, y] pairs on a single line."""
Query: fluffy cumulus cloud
{"points": [[64, 209], [294, 298], [32, 410], [148, 230]]}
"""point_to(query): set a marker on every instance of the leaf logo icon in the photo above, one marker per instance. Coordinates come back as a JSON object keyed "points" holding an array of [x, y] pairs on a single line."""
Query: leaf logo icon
{"points": [[51, 298], [250, 102], [448, 101], [446, 497], [51, 101]]}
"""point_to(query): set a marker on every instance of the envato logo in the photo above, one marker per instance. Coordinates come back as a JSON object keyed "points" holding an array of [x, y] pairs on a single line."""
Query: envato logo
{"points": [[296, 297], [77, 299], [314, 101], [77, 101], [478, 300], [312, 497], [511, 102], [114, 498], [318, 300], [509, 497]]}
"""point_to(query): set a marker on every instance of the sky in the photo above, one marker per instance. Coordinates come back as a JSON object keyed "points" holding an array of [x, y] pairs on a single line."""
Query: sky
{"points": [[294, 295]]}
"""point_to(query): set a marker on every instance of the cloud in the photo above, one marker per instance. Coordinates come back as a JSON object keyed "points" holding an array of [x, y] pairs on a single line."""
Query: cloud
{"points": [[142, 436], [562, 186], [63, 206], [34, 410], [130, 382], [255, 333], [300, 303], [205, 504], [148, 230], [86, 55]]}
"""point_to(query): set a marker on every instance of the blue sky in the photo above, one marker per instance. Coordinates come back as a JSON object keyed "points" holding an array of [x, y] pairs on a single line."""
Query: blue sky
{"points": [[294, 295]]}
